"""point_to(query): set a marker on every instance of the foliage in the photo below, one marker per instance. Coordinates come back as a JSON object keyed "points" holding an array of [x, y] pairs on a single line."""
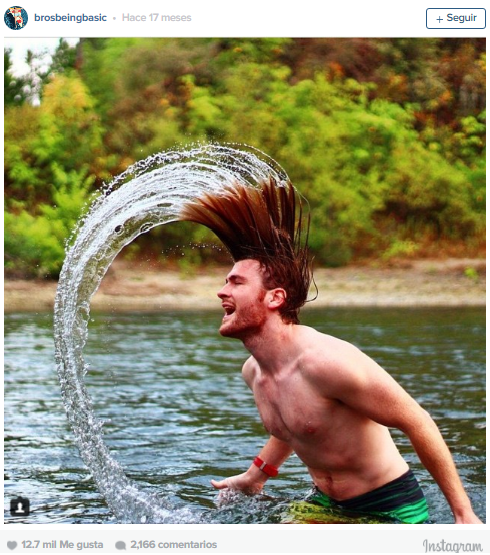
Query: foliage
{"points": [[49, 171], [35, 244], [384, 137], [13, 86]]}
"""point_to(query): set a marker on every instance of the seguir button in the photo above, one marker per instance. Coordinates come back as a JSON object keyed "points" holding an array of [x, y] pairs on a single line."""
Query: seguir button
{"points": [[456, 18]]}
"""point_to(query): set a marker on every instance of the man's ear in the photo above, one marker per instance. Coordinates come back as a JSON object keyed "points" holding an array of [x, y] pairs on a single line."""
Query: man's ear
{"points": [[277, 297]]}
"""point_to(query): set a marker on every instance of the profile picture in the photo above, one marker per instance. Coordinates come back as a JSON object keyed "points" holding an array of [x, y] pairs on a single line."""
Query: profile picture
{"points": [[15, 18]]}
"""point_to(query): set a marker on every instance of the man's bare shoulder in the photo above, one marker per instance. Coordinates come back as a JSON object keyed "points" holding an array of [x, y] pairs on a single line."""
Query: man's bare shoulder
{"points": [[318, 344], [332, 360]]}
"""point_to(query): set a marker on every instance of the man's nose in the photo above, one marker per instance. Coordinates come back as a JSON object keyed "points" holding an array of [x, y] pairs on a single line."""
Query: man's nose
{"points": [[222, 293]]}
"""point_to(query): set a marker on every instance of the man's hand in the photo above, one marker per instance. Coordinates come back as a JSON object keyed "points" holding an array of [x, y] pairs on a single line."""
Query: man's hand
{"points": [[242, 482], [275, 452], [469, 518]]}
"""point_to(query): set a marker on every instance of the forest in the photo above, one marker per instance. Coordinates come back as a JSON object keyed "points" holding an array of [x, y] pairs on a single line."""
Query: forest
{"points": [[384, 137]]}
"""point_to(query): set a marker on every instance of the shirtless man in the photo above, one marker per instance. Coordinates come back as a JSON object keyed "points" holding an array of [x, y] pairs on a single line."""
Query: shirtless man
{"points": [[331, 404], [318, 396], [17, 15]]}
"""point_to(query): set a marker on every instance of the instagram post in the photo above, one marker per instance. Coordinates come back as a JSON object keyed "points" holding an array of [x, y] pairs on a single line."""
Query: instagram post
{"points": [[244, 281]]}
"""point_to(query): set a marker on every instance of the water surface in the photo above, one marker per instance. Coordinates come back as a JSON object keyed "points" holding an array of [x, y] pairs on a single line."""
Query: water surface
{"points": [[176, 412]]}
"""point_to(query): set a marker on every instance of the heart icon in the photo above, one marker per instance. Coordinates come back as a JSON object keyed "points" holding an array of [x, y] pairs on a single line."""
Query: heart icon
{"points": [[11, 545]]}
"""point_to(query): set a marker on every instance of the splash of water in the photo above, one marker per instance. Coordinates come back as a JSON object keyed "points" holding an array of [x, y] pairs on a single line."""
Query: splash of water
{"points": [[150, 193]]}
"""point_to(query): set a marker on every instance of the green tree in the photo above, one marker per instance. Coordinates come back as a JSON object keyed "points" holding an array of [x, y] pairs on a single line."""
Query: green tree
{"points": [[35, 243], [385, 137], [63, 59], [14, 87], [53, 152]]}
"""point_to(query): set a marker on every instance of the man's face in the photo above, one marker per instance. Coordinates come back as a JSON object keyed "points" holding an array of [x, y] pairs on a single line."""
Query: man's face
{"points": [[242, 298]]}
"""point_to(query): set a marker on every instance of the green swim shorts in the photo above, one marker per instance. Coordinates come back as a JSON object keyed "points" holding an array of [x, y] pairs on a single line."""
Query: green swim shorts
{"points": [[401, 500]]}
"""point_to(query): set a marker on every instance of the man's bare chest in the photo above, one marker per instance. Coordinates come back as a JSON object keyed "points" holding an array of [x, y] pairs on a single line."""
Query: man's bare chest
{"points": [[293, 410]]}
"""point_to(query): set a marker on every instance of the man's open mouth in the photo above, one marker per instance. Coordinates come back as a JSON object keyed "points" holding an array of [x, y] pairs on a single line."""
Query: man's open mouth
{"points": [[229, 310]]}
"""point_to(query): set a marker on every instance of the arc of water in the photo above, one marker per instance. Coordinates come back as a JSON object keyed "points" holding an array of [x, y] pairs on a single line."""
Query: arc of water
{"points": [[150, 193]]}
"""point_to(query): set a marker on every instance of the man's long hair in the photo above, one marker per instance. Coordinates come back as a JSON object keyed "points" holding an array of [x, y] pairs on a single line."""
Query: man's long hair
{"points": [[265, 223]]}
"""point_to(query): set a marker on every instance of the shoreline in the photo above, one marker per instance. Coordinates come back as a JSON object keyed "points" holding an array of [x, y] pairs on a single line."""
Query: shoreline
{"points": [[132, 287]]}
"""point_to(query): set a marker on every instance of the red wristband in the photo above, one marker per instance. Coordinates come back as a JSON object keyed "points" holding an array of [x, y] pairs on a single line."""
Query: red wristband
{"points": [[266, 468]]}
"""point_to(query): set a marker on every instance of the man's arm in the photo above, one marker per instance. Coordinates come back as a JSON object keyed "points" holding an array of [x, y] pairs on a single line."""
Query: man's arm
{"points": [[275, 452], [436, 457], [363, 385]]}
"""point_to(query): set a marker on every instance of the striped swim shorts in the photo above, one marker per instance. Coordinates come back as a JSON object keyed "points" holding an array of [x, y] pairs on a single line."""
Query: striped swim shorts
{"points": [[401, 500]]}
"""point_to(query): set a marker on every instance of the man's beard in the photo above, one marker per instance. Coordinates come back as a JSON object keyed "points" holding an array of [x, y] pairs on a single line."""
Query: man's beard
{"points": [[246, 321]]}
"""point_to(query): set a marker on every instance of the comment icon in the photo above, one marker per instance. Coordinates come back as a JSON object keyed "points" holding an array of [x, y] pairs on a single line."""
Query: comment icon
{"points": [[120, 546]]}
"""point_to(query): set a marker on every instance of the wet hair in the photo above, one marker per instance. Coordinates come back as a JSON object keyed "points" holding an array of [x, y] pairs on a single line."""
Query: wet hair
{"points": [[266, 223]]}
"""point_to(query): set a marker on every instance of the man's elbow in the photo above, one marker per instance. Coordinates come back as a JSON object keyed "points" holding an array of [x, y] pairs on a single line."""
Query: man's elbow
{"points": [[420, 420]]}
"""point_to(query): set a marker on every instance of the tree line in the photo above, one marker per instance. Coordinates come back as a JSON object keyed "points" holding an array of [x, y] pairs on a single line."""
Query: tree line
{"points": [[384, 137]]}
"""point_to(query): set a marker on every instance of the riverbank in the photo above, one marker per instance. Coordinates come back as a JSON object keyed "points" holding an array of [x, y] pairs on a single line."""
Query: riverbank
{"points": [[451, 282]]}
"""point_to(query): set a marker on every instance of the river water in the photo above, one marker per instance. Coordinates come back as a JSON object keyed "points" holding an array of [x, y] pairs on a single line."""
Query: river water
{"points": [[177, 414]]}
